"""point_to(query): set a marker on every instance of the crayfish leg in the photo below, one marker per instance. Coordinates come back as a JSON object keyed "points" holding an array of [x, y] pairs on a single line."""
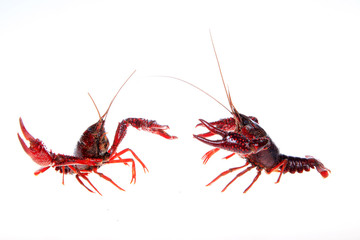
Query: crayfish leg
{"points": [[135, 156], [126, 161], [282, 164], [80, 174], [81, 182], [229, 156], [41, 170], [117, 159], [63, 174], [282, 170], [108, 179], [254, 180], [209, 154], [238, 175], [226, 172]]}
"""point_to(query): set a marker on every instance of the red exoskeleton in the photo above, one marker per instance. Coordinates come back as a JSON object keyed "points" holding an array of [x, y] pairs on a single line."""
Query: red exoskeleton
{"points": [[244, 136], [92, 150]]}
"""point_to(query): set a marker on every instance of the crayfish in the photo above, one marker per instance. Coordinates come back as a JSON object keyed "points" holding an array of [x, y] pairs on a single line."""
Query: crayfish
{"points": [[92, 150], [244, 136]]}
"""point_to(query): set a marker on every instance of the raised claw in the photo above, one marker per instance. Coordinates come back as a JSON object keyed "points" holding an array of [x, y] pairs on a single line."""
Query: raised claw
{"points": [[140, 124], [234, 142], [37, 150], [158, 129], [150, 126], [164, 134], [27, 135]]}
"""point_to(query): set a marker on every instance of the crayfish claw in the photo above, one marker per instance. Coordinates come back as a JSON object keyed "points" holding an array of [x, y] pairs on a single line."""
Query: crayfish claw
{"points": [[214, 143], [149, 126], [212, 128], [158, 129], [24, 146], [37, 150], [164, 134], [232, 141], [27, 135], [154, 125]]}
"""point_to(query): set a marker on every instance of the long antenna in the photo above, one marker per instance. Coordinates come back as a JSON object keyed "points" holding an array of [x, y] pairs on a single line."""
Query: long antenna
{"points": [[117, 94], [193, 85], [233, 110], [105, 114], [222, 77]]}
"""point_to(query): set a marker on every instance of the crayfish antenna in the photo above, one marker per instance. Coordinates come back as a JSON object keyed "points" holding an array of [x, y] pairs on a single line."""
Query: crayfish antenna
{"points": [[105, 114], [234, 112], [101, 118], [198, 88], [218, 63]]}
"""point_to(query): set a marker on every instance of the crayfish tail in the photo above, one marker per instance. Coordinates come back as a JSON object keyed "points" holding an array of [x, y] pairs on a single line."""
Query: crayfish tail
{"points": [[299, 164]]}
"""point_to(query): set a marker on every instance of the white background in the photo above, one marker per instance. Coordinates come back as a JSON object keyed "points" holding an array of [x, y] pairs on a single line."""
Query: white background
{"points": [[292, 64]]}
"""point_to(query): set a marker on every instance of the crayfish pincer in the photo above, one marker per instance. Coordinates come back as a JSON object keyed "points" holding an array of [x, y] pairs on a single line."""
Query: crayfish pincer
{"points": [[93, 149]]}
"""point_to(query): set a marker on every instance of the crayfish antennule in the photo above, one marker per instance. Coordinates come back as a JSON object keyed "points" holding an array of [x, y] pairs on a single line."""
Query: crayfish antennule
{"points": [[100, 118]]}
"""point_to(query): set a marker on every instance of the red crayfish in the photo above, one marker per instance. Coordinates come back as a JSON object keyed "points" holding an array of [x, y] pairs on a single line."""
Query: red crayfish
{"points": [[92, 150], [244, 136]]}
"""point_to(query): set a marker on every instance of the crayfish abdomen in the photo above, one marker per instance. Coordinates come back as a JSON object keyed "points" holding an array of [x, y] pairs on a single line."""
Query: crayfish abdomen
{"points": [[298, 164]]}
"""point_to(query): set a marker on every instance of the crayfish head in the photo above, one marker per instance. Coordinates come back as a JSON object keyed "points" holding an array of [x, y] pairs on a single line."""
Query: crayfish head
{"points": [[248, 125], [101, 138], [93, 143]]}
